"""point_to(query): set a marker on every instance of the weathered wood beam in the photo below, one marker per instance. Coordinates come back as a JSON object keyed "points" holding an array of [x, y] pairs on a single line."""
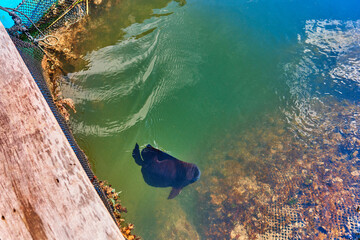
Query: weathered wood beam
{"points": [[44, 192]]}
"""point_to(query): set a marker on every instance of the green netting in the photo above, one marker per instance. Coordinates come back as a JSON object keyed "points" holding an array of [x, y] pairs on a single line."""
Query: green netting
{"points": [[35, 10], [39, 16]]}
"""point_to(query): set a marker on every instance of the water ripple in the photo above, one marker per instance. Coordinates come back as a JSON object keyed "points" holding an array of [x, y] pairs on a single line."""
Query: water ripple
{"points": [[328, 67], [135, 77], [110, 63], [113, 59]]}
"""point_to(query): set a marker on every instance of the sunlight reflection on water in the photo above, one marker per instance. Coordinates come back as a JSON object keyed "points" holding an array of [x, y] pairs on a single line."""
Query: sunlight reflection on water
{"points": [[268, 111], [323, 69]]}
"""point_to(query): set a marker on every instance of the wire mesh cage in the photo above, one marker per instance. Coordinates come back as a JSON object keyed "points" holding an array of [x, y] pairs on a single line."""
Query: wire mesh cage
{"points": [[37, 16]]}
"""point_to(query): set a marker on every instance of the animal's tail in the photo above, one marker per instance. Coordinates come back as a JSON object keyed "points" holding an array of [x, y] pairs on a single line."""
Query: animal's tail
{"points": [[136, 155]]}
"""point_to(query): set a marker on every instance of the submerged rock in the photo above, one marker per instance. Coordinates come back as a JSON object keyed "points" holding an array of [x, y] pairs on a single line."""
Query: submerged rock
{"points": [[239, 233]]}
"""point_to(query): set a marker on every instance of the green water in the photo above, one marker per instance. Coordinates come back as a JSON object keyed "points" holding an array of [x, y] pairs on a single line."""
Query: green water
{"points": [[185, 77]]}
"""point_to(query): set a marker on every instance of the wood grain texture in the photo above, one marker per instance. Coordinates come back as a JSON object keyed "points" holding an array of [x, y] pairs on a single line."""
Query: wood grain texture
{"points": [[44, 192]]}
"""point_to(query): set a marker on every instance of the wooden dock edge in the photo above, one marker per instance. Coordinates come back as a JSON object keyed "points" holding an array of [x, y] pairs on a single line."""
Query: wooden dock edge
{"points": [[44, 192]]}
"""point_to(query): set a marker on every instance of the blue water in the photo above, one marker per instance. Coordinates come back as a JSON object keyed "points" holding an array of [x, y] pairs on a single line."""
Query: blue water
{"points": [[5, 18], [210, 81]]}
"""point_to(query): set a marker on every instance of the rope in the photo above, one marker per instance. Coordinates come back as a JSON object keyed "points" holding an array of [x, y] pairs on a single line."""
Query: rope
{"points": [[23, 1], [15, 10], [46, 40], [19, 27], [68, 10]]}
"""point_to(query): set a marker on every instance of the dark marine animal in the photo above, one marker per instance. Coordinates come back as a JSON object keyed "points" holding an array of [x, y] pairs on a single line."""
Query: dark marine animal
{"points": [[159, 169]]}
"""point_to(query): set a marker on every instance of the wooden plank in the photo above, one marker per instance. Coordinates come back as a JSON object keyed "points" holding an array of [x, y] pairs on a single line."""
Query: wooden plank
{"points": [[44, 192]]}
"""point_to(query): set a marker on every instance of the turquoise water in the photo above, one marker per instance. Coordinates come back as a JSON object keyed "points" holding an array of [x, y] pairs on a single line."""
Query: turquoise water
{"points": [[5, 18], [193, 81]]}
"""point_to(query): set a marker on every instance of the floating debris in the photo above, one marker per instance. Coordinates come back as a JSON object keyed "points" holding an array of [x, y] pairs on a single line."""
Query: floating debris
{"points": [[62, 104], [115, 202]]}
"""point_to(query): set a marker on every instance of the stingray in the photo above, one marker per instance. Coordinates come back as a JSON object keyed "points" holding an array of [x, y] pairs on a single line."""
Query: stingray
{"points": [[159, 169]]}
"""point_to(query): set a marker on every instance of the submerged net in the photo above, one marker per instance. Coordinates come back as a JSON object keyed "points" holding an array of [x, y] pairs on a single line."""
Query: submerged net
{"points": [[271, 185], [295, 174]]}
